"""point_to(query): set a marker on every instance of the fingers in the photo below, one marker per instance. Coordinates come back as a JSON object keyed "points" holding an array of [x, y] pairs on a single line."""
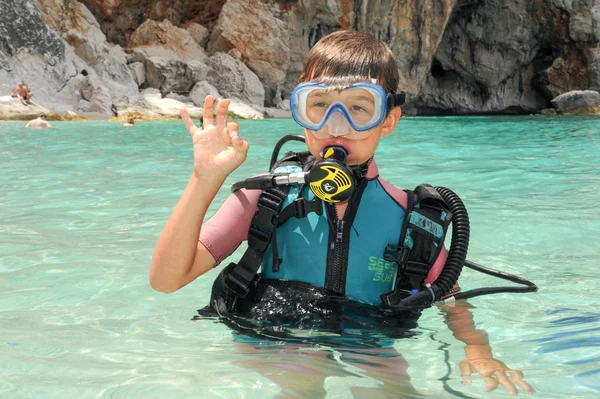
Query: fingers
{"points": [[207, 115], [222, 109], [503, 380], [240, 146], [490, 384], [233, 130], [516, 377], [188, 122]]}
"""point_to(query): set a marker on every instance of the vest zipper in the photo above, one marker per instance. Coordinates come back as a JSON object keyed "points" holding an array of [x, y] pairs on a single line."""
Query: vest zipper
{"points": [[337, 258]]}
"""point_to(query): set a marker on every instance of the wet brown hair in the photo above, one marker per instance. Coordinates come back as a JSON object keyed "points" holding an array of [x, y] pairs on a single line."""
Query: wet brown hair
{"points": [[346, 57]]}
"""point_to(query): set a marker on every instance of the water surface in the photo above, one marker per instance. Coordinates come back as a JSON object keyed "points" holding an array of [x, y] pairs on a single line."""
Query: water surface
{"points": [[82, 204]]}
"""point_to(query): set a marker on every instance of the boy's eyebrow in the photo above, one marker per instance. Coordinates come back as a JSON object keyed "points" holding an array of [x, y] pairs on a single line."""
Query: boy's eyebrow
{"points": [[366, 98], [360, 97]]}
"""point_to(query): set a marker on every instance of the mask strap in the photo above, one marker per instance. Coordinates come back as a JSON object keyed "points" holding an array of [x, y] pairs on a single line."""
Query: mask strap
{"points": [[394, 100]]}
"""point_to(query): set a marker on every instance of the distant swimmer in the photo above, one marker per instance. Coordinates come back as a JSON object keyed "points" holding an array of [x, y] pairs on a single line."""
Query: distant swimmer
{"points": [[130, 122], [40, 121]]}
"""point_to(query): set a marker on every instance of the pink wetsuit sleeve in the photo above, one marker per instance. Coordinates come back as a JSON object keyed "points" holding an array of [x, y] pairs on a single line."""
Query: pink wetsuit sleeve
{"points": [[228, 227], [435, 271]]}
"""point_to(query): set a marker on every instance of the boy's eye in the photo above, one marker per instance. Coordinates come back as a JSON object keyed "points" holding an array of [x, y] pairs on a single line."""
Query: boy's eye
{"points": [[357, 108], [320, 104]]}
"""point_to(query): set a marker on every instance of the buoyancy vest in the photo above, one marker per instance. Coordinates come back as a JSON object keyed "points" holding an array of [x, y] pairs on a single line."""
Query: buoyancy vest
{"points": [[344, 256], [301, 243], [353, 258]]}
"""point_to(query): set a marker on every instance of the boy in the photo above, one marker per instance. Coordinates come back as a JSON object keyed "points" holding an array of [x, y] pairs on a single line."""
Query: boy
{"points": [[346, 100]]}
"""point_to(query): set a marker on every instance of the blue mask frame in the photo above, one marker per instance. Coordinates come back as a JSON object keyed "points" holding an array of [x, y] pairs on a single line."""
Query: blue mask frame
{"points": [[381, 101]]}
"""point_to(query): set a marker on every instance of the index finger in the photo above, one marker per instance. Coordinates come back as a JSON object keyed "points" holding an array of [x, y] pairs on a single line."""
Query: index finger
{"points": [[187, 121]]}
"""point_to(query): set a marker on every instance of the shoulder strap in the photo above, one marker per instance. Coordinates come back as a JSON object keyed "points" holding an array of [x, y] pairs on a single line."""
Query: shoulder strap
{"points": [[421, 241], [262, 229]]}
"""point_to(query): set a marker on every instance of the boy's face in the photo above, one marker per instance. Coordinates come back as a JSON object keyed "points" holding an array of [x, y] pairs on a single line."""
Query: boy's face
{"points": [[360, 145]]}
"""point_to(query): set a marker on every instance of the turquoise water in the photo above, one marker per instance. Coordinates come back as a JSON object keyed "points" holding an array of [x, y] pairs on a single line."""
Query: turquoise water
{"points": [[82, 204]]}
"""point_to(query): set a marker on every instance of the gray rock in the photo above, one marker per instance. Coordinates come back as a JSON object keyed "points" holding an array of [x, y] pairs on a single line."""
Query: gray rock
{"points": [[284, 105], [576, 99], [138, 72], [164, 34], [234, 79], [595, 70], [198, 32], [168, 75], [198, 70], [245, 111], [150, 90], [178, 97], [201, 90]]}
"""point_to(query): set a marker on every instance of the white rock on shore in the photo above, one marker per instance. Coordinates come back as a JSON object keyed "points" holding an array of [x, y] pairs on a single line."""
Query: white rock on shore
{"points": [[151, 104], [577, 101], [12, 109]]}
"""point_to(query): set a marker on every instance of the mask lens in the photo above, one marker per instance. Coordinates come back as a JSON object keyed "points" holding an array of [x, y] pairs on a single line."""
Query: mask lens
{"points": [[359, 103]]}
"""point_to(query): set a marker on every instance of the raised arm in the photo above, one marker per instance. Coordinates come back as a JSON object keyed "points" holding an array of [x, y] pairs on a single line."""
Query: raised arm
{"points": [[218, 150]]}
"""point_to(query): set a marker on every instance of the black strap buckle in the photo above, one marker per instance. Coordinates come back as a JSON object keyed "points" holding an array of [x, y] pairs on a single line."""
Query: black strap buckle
{"points": [[396, 254], [264, 221], [258, 239], [414, 269], [237, 285], [299, 207]]}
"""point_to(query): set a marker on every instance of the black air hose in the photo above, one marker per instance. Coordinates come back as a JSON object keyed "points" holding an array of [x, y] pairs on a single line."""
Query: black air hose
{"points": [[457, 253]]}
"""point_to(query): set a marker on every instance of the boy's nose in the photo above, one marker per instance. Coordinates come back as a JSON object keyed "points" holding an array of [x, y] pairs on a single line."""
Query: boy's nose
{"points": [[338, 125]]}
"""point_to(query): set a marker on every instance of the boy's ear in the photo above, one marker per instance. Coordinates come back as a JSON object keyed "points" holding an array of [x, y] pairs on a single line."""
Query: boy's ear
{"points": [[390, 121]]}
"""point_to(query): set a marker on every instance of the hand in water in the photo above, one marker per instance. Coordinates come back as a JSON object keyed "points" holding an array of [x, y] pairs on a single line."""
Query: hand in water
{"points": [[494, 373], [218, 148]]}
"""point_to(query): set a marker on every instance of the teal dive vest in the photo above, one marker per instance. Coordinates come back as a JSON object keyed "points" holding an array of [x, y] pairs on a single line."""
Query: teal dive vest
{"points": [[344, 256]]}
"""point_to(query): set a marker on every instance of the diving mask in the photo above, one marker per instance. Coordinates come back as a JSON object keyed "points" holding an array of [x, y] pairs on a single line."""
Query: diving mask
{"points": [[351, 112]]}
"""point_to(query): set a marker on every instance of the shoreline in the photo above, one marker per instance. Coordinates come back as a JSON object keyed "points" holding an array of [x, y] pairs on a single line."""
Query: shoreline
{"points": [[24, 114], [109, 119]]}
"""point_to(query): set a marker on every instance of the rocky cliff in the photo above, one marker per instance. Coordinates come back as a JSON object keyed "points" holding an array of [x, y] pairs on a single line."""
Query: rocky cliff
{"points": [[58, 49], [454, 56], [513, 56]]}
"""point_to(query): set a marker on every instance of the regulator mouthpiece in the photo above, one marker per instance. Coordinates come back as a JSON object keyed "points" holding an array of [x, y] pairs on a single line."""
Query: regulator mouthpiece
{"points": [[335, 153], [331, 179]]}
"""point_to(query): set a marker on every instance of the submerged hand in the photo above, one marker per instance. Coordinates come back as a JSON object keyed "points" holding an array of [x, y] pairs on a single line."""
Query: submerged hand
{"points": [[494, 373], [218, 148]]}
